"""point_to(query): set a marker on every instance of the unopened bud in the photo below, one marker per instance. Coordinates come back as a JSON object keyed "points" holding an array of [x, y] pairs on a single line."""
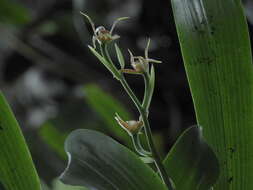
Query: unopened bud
{"points": [[132, 127]]}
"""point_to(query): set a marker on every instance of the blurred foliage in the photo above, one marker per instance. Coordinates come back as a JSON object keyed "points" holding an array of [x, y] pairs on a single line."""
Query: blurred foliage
{"points": [[106, 106], [12, 12], [54, 138]]}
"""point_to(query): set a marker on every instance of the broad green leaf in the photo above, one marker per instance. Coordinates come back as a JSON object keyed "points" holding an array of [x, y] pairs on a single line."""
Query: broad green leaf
{"points": [[191, 163], [106, 106], [217, 56], [120, 56], [97, 161], [57, 185], [17, 171], [12, 12]]}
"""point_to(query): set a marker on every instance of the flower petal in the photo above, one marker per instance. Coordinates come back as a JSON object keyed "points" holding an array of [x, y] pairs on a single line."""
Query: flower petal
{"points": [[117, 21], [90, 21]]}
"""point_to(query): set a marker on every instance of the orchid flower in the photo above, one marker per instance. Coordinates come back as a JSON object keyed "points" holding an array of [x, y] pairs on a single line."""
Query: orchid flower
{"points": [[101, 34], [140, 64]]}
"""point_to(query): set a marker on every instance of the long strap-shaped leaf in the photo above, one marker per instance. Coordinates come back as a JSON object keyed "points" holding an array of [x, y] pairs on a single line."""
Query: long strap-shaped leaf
{"points": [[216, 51], [17, 171]]}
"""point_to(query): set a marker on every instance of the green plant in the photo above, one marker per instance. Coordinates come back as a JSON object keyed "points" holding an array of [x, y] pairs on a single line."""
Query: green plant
{"points": [[17, 171], [217, 56], [97, 161]]}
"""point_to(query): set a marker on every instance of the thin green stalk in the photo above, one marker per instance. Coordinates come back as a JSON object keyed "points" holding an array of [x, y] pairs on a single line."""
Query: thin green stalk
{"points": [[155, 154], [131, 93], [148, 133], [113, 69], [138, 146], [142, 108], [122, 80]]}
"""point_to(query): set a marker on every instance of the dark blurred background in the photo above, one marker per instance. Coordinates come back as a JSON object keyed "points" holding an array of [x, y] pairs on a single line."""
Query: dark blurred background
{"points": [[55, 85]]}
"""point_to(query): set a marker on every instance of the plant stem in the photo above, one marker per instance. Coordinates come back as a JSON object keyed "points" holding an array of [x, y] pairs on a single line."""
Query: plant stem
{"points": [[112, 68], [148, 132], [131, 93], [155, 154], [143, 110], [146, 103]]}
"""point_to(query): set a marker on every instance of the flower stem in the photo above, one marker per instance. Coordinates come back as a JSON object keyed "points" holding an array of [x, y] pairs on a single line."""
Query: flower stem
{"points": [[131, 93], [148, 132], [155, 154], [143, 110]]}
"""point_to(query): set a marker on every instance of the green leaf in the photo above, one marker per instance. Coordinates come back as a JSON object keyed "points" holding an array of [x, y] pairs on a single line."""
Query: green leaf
{"points": [[12, 12], [120, 56], [217, 56], [100, 58], [17, 171], [191, 163], [97, 161], [57, 185], [106, 106], [152, 84], [114, 72], [149, 79]]}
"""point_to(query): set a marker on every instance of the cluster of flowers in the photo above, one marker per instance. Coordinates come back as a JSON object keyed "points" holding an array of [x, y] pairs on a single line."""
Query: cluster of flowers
{"points": [[140, 64]]}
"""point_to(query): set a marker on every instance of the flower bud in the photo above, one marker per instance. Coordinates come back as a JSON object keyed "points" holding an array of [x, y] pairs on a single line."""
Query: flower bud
{"points": [[132, 127]]}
